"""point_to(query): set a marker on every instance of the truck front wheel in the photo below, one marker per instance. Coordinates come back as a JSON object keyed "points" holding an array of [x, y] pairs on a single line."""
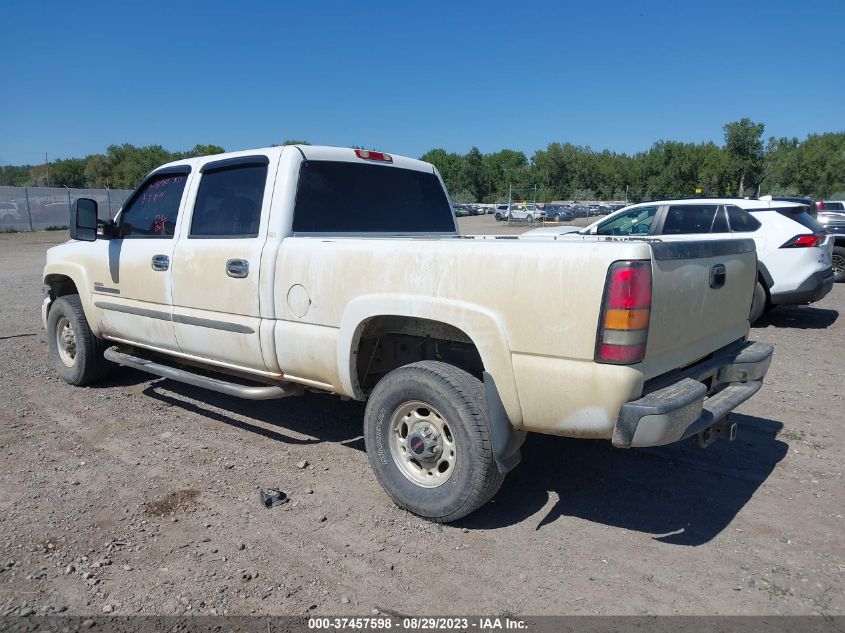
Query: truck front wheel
{"points": [[76, 354], [428, 440]]}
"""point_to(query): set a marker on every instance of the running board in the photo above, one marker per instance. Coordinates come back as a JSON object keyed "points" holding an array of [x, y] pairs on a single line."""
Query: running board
{"points": [[265, 392]]}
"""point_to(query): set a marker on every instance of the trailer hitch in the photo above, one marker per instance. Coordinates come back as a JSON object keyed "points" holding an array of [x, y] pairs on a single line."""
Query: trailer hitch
{"points": [[723, 429]]}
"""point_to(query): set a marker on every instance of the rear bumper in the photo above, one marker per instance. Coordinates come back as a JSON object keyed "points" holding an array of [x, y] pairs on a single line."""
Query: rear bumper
{"points": [[678, 406], [813, 289]]}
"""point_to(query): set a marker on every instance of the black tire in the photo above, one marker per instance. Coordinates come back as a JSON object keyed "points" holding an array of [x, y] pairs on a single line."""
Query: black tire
{"points": [[531, 219], [88, 364], [839, 264], [498, 217], [459, 398], [758, 303]]}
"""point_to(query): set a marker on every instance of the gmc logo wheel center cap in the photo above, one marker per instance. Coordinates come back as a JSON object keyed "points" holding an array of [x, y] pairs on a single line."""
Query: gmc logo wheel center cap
{"points": [[417, 444]]}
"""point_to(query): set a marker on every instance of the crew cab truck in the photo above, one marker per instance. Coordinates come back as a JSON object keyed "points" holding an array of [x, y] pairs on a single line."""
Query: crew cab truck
{"points": [[265, 273]]}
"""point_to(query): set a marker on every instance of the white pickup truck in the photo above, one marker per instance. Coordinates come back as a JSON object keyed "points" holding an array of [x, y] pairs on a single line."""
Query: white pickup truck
{"points": [[265, 273]]}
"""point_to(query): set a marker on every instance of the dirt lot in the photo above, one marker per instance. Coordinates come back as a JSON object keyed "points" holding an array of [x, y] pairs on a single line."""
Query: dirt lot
{"points": [[140, 495]]}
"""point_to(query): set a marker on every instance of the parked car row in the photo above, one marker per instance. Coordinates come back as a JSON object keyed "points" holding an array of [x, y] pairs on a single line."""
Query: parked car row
{"points": [[463, 210], [794, 251], [552, 212]]}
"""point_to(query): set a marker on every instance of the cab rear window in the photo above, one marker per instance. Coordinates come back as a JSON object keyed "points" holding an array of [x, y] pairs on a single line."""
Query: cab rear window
{"points": [[341, 197]]}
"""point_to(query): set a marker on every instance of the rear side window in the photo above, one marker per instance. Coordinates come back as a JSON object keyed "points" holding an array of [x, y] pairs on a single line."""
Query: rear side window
{"points": [[800, 215], [742, 221], [689, 218], [229, 202], [834, 206], [339, 197], [153, 210], [720, 222]]}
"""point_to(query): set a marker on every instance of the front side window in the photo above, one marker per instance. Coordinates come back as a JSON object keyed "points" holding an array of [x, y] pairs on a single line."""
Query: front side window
{"points": [[742, 221], [637, 221], [154, 208], [683, 219], [344, 197], [229, 202]]}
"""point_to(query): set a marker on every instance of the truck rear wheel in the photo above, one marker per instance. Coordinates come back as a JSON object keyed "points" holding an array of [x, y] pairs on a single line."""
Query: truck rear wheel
{"points": [[76, 354], [428, 440]]}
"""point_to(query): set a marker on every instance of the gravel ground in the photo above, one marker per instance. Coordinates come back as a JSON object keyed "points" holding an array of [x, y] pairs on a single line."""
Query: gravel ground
{"points": [[141, 495]]}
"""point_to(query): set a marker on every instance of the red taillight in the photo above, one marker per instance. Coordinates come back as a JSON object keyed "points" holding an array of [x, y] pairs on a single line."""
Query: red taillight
{"points": [[623, 325], [804, 241], [370, 155], [630, 286], [621, 354]]}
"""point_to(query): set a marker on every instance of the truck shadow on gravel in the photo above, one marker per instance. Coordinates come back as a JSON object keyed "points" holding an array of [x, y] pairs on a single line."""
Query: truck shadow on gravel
{"points": [[681, 494], [322, 418], [799, 317]]}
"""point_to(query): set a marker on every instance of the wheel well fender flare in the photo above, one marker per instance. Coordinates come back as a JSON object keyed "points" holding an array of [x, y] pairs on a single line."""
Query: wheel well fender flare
{"points": [[481, 325], [55, 273]]}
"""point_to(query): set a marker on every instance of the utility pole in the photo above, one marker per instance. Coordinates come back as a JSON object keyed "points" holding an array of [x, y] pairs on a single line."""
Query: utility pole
{"points": [[48, 168]]}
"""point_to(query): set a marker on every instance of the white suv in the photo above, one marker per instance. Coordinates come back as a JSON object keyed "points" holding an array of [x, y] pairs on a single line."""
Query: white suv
{"points": [[793, 250]]}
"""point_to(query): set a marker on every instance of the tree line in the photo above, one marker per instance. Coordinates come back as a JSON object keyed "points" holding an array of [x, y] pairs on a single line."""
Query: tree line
{"points": [[745, 164]]}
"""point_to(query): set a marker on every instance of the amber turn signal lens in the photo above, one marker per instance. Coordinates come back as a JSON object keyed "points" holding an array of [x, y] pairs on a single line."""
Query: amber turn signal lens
{"points": [[616, 319]]}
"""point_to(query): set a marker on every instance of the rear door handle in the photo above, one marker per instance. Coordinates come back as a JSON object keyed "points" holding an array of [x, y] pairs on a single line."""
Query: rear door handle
{"points": [[237, 268], [160, 262]]}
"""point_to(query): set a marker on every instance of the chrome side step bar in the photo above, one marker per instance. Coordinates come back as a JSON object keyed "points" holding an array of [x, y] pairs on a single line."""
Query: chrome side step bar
{"points": [[264, 392]]}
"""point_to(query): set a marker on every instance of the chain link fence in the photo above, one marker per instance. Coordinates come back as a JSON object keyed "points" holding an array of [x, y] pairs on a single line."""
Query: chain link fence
{"points": [[39, 208]]}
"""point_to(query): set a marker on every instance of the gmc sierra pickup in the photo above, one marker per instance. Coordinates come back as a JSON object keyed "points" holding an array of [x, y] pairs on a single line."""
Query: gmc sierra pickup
{"points": [[265, 273]]}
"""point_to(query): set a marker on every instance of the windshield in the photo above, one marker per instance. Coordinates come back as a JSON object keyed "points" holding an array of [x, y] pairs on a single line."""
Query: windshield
{"points": [[636, 221]]}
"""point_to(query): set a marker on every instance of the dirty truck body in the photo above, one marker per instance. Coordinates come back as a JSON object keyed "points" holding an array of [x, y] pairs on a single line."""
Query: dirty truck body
{"points": [[269, 272]]}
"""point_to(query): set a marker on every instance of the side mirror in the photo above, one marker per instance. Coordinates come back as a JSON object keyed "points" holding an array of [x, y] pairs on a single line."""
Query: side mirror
{"points": [[83, 221]]}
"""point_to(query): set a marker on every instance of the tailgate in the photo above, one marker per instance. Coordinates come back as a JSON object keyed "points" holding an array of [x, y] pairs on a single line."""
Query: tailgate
{"points": [[701, 299]]}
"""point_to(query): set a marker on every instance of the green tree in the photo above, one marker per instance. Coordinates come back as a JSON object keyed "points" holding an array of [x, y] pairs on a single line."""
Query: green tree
{"points": [[69, 172], [501, 170], [744, 147], [97, 171], [471, 175], [130, 164], [14, 175], [203, 150]]}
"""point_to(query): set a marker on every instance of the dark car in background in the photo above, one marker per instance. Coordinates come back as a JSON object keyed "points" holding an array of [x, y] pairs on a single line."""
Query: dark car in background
{"points": [[558, 213]]}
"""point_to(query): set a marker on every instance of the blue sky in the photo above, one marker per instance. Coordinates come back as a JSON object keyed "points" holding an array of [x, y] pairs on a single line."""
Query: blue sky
{"points": [[410, 76]]}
